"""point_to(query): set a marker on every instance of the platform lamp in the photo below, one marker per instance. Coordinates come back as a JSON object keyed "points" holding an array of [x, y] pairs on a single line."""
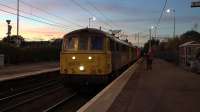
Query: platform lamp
{"points": [[169, 11], [150, 36], [9, 27], [91, 19]]}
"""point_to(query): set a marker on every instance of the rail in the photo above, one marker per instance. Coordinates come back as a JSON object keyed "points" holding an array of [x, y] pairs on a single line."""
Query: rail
{"points": [[61, 102], [31, 93], [22, 75], [102, 101]]}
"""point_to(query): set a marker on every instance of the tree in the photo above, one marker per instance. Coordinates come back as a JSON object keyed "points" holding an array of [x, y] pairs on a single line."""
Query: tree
{"points": [[191, 36], [170, 49], [14, 39]]}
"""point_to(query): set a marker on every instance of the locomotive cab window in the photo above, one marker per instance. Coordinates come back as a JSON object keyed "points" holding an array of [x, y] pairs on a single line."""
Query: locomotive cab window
{"points": [[83, 43], [97, 43], [72, 43]]}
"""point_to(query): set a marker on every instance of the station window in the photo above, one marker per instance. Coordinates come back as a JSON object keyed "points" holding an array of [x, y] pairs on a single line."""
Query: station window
{"points": [[96, 43]]}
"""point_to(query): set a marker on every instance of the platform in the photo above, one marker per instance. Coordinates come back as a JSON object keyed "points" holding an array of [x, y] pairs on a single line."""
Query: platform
{"points": [[16, 71], [166, 88]]}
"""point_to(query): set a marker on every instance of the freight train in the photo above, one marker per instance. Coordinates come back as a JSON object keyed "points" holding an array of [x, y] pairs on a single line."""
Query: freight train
{"points": [[92, 55]]}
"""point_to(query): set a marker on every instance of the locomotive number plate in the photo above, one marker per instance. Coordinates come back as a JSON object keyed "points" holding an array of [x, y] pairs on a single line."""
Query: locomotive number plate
{"points": [[74, 63]]}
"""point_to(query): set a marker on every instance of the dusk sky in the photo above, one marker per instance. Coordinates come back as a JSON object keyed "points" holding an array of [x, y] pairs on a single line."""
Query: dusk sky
{"points": [[131, 16]]}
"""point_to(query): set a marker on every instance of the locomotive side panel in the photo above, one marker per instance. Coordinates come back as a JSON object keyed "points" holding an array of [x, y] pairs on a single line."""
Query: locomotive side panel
{"points": [[121, 56]]}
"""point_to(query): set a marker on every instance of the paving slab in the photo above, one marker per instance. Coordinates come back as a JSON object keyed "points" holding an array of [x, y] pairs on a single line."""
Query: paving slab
{"points": [[103, 100], [166, 88]]}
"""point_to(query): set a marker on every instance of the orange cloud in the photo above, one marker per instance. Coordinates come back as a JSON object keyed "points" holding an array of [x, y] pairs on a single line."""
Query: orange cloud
{"points": [[33, 32]]}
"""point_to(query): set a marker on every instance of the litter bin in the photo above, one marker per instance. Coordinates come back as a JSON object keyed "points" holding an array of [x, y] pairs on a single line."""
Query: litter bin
{"points": [[1, 60]]}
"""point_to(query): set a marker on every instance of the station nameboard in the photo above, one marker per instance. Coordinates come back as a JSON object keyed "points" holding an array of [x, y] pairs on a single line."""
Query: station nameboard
{"points": [[195, 4]]}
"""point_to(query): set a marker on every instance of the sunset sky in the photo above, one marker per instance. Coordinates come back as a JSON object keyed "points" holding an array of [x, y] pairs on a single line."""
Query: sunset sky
{"points": [[61, 16]]}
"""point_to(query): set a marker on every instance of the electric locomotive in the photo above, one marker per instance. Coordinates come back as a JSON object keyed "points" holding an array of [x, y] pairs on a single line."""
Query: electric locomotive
{"points": [[92, 55]]}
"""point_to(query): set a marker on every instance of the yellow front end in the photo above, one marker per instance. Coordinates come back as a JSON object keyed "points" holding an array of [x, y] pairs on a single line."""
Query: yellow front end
{"points": [[85, 63]]}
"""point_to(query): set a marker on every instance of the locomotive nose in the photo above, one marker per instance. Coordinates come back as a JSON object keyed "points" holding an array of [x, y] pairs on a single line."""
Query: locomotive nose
{"points": [[81, 68], [81, 64], [89, 57], [73, 57]]}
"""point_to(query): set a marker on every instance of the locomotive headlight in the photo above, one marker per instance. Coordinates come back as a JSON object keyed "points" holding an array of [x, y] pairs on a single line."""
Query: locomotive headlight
{"points": [[81, 68], [73, 57], [90, 57]]}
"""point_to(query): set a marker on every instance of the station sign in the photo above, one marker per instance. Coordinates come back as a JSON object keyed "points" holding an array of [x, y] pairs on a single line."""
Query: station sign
{"points": [[195, 4]]}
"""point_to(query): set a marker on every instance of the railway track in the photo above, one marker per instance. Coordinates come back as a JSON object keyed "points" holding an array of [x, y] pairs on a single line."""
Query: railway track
{"points": [[23, 90], [44, 94], [46, 98], [76, 100], [68, 98], [84, 94], [16, 101], [11, 87], [32, 94], [41, 93]]}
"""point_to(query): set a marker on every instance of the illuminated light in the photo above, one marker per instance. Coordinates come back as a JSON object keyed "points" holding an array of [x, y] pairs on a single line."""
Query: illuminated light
{"points": [[89, 57], [73, 57], [168, 10], [93, 18], [81, 68]]}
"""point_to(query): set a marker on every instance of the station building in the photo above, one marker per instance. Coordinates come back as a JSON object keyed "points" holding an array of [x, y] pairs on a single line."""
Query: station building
{"points": [[188, 52]]}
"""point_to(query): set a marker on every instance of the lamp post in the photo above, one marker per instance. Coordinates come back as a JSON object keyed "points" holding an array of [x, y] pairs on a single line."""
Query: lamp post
{"points": [[138, 39], [91, 19], [169, 11], [155, 31], [150, 35], [17, 18], [150, 38]]}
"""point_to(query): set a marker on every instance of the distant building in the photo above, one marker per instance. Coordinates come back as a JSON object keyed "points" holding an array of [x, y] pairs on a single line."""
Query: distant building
{"points": [[188, 52], [43, 44], [36, 44], [20, 42], [57, 43]]}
